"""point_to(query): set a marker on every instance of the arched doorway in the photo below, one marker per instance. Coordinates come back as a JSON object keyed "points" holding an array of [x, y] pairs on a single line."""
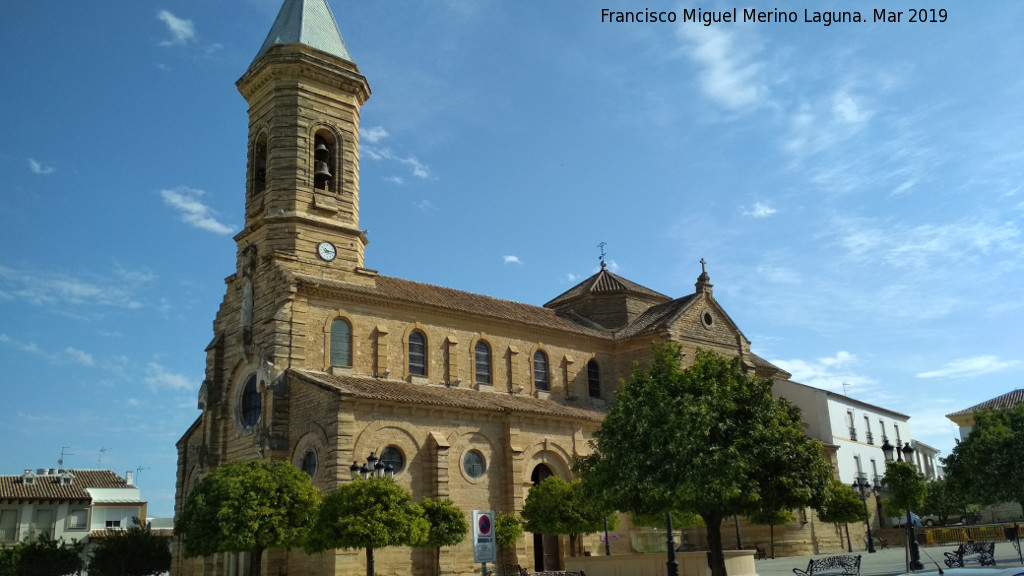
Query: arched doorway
{"points": [[546, 555]]}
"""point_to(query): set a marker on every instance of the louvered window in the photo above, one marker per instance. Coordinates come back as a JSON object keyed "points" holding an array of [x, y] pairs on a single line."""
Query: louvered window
{"points": [[417, 353], [341, 343], [540, 371], [482, 355], [594, 379]]}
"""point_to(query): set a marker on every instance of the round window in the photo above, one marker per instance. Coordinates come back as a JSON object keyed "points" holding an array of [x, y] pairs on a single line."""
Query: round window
{"points": [[474, 464], [251, 405], [707, 319], [309, 462], [392, 455]]}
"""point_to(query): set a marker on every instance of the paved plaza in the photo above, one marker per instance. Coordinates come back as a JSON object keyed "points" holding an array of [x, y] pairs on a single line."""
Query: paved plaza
{"points": [[885, 562]]}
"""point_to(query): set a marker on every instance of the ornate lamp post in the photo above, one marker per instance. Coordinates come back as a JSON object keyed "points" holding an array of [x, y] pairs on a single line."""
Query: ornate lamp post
{"points": [[672, 565], [906, 451], [862, 485], [376, 469]]}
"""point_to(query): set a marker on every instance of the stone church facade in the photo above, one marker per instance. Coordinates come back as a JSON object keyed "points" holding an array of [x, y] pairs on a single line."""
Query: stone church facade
{"points": [[320, 361]]}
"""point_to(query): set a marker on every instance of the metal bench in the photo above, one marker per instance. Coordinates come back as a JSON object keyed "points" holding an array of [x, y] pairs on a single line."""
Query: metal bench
{"points": [[760, 553], [880, 543], [983, 552], [506, 570], [558, 573], [844, 565]]}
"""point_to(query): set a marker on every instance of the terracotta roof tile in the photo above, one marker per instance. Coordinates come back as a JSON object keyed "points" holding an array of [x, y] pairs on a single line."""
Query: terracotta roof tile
{"points": [[50, 487], [1008, 400], [604, 282], [436, 395], [459, 301]]}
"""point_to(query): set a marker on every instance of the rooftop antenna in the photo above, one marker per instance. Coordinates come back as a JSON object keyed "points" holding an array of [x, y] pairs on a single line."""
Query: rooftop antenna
{"points": [[601, 257], [845, 386], [138, 472], [63, 452], [99, 459]]}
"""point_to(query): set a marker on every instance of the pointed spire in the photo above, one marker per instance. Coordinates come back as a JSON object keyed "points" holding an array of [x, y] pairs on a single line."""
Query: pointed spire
{"points": [[308, 22]]}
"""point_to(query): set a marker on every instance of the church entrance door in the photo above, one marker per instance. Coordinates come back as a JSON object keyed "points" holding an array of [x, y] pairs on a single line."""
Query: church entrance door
{"points": [[546, 554]]}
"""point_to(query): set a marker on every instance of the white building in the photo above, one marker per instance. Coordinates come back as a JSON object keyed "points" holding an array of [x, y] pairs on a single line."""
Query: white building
{"points": [[855, 430], [68, 504]]}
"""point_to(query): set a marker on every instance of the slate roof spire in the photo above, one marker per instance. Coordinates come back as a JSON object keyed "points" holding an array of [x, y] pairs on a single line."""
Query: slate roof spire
{"points": [[308, 22]]}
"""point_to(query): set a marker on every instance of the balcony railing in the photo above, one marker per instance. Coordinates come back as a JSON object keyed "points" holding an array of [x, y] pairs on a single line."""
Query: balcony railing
{"points": [[9, 534], [853, 433], [870, 439]]}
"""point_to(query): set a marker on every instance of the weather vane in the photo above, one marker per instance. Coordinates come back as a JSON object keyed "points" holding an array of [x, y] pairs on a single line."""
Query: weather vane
{"points": [[601, 257]]}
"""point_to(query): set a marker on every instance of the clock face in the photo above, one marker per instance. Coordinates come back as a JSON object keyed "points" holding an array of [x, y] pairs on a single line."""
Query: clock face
{"points": [[327, 251]]}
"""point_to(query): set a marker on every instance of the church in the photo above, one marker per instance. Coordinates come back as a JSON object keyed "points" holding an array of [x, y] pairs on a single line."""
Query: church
{"points": [[319, 360]]}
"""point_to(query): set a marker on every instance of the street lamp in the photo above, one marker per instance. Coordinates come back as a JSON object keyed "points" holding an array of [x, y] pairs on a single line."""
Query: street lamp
{"points": [[861, 484], [907, 451], [374, 467], [672, 565]]}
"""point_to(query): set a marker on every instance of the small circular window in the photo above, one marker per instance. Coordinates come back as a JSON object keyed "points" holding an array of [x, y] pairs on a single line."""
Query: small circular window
{"points": [[392, 455], [309, 462], [707, 319], [251, 405], [474, 464]]}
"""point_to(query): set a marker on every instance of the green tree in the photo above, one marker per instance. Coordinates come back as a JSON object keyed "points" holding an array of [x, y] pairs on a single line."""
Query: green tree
{"points": [[508, 529], [710, 440], [989, 463], [558, 507], [905, 488], [944, 499], [773, 518], [448, 525], [842, 505], [132, 552], [248, 506], [372, 513], [48, 557]]}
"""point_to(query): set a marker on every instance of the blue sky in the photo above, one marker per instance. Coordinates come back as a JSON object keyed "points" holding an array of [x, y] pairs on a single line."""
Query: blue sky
{"points": [[856, 190]]}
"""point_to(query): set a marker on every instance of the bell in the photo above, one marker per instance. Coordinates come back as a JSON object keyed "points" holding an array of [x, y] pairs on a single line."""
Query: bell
{"points": [[322, 171], [321, 152]]}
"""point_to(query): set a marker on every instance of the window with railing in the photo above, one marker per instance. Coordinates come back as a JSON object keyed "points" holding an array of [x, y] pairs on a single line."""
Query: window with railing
{"points": [[8, 525], [853, 433], [869, 438]]}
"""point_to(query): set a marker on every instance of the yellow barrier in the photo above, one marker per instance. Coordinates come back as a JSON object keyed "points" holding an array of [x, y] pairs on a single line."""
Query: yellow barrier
{"points": [[958, 534]]}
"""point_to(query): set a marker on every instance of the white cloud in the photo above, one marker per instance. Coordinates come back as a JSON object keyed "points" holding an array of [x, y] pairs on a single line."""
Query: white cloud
{"points": [[395, 180], [194, 212], [510, 259], [425, 205], [54, 288], [39, 168], [373, 135], [850, 109], [78, 356], [731, 74], [182, 31], [969, 367], [419, 169], [760, 210], [829, 373], [158, 377], [572, 277]]}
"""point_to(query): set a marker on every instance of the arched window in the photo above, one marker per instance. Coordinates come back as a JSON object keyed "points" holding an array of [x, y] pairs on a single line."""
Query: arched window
{"points": [[540, 371], [324, 154], [594, 379], [341, 343], [417, 353], [259, 164], [393, 455], [309, 462], [482, 356], [251, 405]]}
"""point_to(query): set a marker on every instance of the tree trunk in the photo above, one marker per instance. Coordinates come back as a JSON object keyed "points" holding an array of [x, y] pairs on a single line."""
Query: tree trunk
{"points": [[255, 561], [369, 561], [716, 558], [572, 544], [849, 545]]}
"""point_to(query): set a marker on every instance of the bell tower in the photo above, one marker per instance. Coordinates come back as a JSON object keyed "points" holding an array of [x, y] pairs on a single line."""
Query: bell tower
{"points": [[302, 180]]}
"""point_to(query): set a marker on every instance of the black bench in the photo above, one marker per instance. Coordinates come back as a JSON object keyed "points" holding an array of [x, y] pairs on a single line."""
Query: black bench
{"points": [[983, 552], [845, 565], [506, 570], [760, 553], [880, 543], [558, 573]]}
